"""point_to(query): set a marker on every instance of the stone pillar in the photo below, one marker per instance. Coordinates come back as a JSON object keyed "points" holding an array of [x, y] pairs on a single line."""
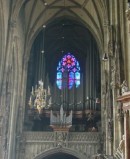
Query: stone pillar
{"points": [[14, 95], [120, 117], [127, 134], [120, 125], [127, 56]]}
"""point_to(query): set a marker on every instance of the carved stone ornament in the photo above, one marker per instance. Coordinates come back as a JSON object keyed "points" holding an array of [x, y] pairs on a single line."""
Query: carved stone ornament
{"points": [[13, 24], [61, 138], [110, 129], [99, 156], [128, 13], [124, 87], [110, 43]]}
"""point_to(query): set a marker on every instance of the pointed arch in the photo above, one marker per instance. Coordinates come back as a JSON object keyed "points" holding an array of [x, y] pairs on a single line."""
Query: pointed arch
{"points": [[68, 72], [61, 150]]}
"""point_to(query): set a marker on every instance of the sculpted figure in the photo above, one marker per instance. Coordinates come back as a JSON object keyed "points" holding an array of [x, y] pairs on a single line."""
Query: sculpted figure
{"points": [[124, 87]]}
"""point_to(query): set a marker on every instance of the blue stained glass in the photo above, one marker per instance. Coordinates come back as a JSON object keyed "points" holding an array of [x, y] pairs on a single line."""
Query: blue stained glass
{"points": [[78, 68], [68, 72], [59, 75], [59, 65], [71, 75], [77, 75], [59, 80], [77, 83], [77, 79], [71, 80]]}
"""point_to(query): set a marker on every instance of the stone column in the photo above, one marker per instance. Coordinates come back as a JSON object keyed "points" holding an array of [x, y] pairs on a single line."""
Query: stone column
{"points": [[127, 134], [120, 117], [14, 95], [127, 56]]}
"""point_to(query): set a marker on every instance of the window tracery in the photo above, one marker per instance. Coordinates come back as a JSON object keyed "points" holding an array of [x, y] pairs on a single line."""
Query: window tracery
{"points": [[68, 72]]}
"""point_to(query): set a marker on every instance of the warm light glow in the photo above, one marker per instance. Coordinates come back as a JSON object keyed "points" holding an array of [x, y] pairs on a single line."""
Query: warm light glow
{"points": [[40, 98]]}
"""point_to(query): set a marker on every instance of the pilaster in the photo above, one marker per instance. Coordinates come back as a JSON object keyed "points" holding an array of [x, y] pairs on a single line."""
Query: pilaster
{"points": [[127, 56]]}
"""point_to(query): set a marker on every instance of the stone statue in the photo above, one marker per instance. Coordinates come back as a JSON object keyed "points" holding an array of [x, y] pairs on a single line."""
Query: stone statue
{"points": [[124, 87]]}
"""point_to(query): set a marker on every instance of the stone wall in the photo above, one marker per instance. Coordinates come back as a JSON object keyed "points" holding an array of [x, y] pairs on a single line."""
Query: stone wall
{"points": [[39, 144]]}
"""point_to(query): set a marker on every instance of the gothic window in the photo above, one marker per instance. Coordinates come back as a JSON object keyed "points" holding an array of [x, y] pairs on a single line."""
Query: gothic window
{"points": [[68, 72]]}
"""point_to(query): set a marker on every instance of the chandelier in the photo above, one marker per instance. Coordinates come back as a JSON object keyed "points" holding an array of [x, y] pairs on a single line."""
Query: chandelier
{"points": [[40, 98]]}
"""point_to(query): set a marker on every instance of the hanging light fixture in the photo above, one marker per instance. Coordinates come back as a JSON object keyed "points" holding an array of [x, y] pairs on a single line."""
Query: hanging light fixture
{"points": [[105, 57], [40, 97], [97, 101], [128, 3]]}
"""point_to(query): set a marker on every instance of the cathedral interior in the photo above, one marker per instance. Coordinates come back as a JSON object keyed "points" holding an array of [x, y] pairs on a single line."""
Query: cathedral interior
{"points": [[64, 79]]}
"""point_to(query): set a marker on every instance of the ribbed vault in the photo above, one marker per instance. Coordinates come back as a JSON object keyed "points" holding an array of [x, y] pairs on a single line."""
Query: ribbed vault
{"points": [[39, 12]]}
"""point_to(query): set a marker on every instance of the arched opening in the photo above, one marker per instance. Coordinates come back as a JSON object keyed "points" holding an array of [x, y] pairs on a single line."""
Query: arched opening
{"points": [[54, 42], [60, 152], [59, 156]]}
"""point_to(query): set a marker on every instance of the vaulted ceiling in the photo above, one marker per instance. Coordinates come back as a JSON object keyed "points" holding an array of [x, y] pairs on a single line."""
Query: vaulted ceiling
{"points": [[37, 13]]}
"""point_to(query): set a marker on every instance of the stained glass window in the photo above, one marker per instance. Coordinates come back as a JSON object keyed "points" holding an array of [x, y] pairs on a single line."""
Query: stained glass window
{"points": [[68, 72]]}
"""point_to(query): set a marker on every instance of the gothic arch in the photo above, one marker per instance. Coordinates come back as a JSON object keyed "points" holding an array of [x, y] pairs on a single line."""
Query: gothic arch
{"points": [[62, 150], [37, 25], [85, 20], [40, 19], [84, 24]]}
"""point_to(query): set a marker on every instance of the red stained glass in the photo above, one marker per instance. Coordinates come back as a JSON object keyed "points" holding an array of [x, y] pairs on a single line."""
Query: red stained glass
{"points": [[68, 61], [68, 72]]}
